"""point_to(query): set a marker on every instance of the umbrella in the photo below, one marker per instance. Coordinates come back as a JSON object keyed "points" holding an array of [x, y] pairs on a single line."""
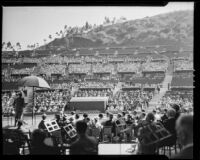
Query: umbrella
{"points": [[33, 81]]}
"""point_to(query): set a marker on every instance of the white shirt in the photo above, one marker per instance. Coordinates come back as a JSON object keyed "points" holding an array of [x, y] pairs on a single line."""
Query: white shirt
{"points": [[157, 117]]}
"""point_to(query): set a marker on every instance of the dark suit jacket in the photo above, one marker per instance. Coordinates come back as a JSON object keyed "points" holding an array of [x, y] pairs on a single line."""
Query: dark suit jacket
{"points": [[186, 153], [110, 123], [84, 145], [169, 124]]}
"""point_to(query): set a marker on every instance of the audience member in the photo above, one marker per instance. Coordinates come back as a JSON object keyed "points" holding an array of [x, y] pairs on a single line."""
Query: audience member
{"points": [[84, 145], [184, 129], [41, 145]]}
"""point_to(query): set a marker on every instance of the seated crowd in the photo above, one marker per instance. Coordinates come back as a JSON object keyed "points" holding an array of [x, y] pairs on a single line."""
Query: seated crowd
{"points": [[155, 66], [185, 101], [51, 101], [183, 65]]}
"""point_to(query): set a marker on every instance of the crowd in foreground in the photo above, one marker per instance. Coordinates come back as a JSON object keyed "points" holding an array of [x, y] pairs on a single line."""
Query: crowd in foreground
{"points": [[179, 127]]}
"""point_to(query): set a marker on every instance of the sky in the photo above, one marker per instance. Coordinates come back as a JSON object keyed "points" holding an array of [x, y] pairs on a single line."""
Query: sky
{"points": [[29, 25]]}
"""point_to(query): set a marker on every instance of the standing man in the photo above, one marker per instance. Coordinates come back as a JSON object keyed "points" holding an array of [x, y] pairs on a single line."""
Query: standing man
{"points": [[18, 106], [184, 130], [84, 145]]}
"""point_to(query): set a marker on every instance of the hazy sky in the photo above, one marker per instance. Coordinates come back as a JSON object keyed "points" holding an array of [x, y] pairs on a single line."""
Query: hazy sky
{"points": [[29, 25]]}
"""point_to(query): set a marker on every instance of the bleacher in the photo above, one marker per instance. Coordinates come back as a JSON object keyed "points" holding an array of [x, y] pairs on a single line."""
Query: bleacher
{"points": [[181, 81]]}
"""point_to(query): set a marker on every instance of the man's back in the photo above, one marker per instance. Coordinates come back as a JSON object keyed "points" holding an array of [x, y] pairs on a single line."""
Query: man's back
{"points": [[84, 145], [42, 125], [169, 124], [19, 104]]}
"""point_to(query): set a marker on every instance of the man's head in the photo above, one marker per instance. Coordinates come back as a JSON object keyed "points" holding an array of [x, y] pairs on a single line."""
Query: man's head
{"points": [[143, 114], [134, 113], [44, 116], [77, 116], [176, 107], [129, 117], [88, 119], [19, 94], [57, 116], [119, 115], [171, 113], [165, 111], [85, 115], [184, 129], [100, 115], [72, 113], [150, 117], [111, 116], [81, 127]]}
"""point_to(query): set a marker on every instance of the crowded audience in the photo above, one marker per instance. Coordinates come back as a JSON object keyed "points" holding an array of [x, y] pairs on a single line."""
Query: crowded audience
{"points": [[127, 117]]}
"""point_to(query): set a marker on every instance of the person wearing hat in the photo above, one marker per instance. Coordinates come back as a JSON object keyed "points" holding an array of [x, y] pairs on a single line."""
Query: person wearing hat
{"points": [[19, 105]]}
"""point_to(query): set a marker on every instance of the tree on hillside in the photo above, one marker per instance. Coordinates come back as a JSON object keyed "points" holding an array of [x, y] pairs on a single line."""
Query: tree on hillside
{"points": [[3, 45], [37, 45], [114, 20], [57, 34], [86, 26], [106, 20], [50, 37], [44, 41], [61, 33], [18, 45], [9, 45], [65, 30]]}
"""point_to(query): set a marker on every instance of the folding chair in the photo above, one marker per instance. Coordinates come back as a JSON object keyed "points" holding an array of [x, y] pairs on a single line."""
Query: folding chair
{"points": [[129, 131], [96, 133], [120, 130], [107, 131]]}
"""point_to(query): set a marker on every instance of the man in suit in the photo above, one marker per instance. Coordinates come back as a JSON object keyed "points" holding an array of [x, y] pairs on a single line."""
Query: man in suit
{"points": [[19, 106], [170, 122], [84, 145], [184, 129], [41, 124]]}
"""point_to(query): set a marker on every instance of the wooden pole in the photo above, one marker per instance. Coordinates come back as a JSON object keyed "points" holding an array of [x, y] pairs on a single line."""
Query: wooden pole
{"points": [[33, 107]]}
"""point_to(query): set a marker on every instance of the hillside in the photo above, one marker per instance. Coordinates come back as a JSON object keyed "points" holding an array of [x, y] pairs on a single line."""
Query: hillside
{"points": [[165, 29]]}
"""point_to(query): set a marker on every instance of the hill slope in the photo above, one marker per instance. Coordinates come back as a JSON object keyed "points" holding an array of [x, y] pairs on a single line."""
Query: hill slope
{"points": [[165, 29]]}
